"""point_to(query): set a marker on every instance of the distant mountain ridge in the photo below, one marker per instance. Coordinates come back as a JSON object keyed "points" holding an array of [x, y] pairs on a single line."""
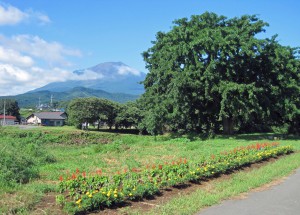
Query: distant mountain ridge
{"points": [[115, 81], [32, 99], [112, 77]]}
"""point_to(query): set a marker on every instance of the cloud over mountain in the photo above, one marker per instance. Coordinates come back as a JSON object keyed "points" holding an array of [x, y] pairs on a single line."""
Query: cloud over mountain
{"points": [[113, 77], [28, 62]]}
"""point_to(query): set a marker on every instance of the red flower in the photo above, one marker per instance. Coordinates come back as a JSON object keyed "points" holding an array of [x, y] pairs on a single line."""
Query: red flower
{"points": [[185, 161], [83, 174], [77, 171], [258, 147], [160, 166], [61, 178], [73, 176], [99, 172]]}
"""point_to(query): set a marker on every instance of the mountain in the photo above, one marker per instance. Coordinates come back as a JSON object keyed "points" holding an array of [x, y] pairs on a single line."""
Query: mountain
{"points": [[112, 77], [32, 99]]}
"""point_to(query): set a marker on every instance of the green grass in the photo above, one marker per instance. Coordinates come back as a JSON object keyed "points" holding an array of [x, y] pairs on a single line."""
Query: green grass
{"points": [[90, 151], [240, 182]]}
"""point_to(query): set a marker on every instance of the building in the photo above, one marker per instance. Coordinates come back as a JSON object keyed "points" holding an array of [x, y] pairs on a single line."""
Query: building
{"points": [[47, 118], [9, 120]]}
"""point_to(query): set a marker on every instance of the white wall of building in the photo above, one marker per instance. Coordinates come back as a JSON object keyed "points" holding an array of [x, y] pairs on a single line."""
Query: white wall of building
{"points": [[34, 120]]}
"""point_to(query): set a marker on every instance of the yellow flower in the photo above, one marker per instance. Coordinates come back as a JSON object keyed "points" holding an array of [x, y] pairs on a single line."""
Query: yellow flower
{"points": [[130, 194], [115, 195], [78, 201], [87, 193], [108, 194], [90, 195]]}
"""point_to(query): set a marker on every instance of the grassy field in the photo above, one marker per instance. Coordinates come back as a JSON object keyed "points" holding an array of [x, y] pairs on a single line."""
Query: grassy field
{"points": [[51, 152]]}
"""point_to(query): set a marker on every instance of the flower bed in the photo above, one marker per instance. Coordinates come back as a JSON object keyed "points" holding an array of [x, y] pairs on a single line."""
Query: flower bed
{"points": [[95, 191]]}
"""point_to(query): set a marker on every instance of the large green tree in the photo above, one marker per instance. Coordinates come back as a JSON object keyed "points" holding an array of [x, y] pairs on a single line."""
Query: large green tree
{"points": [[211, 73]]}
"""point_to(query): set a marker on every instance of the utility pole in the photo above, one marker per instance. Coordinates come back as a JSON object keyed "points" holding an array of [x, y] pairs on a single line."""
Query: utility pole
{"points": [[4, 123], [51, 101]]}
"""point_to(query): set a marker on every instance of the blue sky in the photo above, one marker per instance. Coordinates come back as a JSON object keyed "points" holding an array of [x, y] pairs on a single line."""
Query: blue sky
{"points": [[43, 41]]}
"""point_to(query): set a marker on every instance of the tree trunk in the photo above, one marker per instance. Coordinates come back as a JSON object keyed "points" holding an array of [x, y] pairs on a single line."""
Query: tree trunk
{"points": [[228, 126]]}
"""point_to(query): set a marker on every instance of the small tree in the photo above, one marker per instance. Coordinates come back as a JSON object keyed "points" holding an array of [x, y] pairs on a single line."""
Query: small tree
{"points": [[130, 115], [11, 108], [91, 110]]}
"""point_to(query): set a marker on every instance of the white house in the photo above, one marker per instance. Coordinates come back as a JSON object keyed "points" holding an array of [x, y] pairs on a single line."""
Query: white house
{"points": [[7, 120], [47, 118]]}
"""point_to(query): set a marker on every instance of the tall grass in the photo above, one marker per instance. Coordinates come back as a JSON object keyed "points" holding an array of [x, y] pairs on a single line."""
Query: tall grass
{"points": [[51, 152]]}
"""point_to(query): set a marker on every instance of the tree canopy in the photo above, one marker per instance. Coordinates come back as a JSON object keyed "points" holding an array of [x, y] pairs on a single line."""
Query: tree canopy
{"points": [[210, 74], [11, 108], [91, 110]]}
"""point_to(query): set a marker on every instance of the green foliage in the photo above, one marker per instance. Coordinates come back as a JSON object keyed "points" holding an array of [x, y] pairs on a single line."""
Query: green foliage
{"points": [[91, 110], [210, 74], [240, 182], [104, 112], [11, 107], [20, 159], [130, 115], [92, 192], [116, 146]]}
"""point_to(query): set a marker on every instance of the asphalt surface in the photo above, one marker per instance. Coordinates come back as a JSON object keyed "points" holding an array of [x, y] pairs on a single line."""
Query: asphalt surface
{"points": [[281, 199]]}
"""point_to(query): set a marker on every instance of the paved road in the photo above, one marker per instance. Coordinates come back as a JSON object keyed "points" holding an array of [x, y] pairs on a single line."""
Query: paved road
{"points": [[282, 199]]}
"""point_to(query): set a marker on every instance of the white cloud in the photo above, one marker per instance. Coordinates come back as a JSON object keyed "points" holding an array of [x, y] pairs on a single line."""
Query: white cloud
{"points": [[40, 17], [124, 70], [53, 53], [10, 15], [28, 62], [16, 80], [9, 73], [13, 57], [86, 75]]}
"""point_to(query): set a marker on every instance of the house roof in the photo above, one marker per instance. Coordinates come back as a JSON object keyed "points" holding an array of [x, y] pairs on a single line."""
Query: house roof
{"points": [[8, 117], [50, 115]]}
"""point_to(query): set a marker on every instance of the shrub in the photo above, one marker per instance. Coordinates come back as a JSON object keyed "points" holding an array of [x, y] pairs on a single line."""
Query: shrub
{"points": [[20, 159], [16, 166]]}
